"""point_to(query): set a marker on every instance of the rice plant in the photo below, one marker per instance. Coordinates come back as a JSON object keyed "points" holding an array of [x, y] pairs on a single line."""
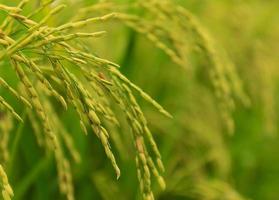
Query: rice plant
{"points": [[77, 123]]}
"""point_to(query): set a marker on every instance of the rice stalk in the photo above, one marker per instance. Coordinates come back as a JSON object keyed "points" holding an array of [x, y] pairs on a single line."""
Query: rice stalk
{"points": [[41, 55], [7, 191]]}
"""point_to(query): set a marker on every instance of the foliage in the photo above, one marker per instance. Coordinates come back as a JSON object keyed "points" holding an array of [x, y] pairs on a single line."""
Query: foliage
{"points": [[58, 81]]}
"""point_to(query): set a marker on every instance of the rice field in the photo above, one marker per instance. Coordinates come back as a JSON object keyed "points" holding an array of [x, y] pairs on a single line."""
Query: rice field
{"points": [[134, 99]]}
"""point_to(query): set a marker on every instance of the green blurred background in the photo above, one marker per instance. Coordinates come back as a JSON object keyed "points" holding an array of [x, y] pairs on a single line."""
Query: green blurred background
{"points": [[202, 161]]}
